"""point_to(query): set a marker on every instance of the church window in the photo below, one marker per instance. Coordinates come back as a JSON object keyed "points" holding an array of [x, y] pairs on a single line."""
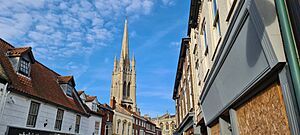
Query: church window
{"points": [[124, 89], [167, 126], [128, 90]]}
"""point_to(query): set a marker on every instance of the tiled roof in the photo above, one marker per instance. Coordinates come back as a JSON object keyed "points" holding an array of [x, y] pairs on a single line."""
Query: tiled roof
{"points": [[122, 110], [90, 98], [15, 52], [65, 79], [3, 75], [80, 92], [18, 51], [41, 85]]}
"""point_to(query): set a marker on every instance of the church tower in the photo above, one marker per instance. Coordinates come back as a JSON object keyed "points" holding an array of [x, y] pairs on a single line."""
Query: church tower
{"points": [[123, 86]]}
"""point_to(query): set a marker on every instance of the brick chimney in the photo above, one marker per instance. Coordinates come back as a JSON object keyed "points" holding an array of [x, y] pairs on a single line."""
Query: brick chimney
{"points": [[113, 103]]}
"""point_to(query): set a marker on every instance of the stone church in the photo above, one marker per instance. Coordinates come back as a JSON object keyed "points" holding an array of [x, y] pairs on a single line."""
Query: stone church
{"points": [[123, 89]]}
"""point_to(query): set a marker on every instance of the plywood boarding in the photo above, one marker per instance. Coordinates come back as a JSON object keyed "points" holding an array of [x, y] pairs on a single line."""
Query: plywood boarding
{"points": [[215, 130], [264, 114]]}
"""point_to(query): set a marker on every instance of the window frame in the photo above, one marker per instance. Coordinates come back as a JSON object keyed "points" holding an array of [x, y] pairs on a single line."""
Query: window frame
{"points": [[230, 8], [204, 36], [216, 17], [58, 121], [77, 123], [24, 67], [69, 90], [33, 113], [97, 128]]}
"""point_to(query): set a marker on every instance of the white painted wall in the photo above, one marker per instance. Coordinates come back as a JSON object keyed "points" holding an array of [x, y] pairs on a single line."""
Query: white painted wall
{"points": [[15, 114], [92, 121]]}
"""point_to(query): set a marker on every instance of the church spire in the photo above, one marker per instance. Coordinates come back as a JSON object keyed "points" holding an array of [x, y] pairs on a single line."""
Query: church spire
{"points": [[124, 51]]}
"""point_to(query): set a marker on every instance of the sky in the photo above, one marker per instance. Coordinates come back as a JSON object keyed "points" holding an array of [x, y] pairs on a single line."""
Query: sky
{"points": [[81, 38]]}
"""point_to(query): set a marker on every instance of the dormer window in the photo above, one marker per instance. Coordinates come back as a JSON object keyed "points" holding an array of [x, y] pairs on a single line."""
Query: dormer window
{"points": [[69, 90], [94, 106], [67, 84], [24, 67], [21, 59]]}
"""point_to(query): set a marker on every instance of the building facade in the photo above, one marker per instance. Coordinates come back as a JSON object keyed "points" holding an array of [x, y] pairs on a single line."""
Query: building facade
{"points": [[241, 61], [37, 100], [166, 123], [184, 93]]}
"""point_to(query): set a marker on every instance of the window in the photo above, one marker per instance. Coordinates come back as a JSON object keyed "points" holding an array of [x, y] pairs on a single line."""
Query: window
{"points": [[230, 6], [123, 128], [214, 8], [216, 22], [167, 126], [97, 126], [77, 123], [118, 127], [24, 67], [128, 128], [59, 119], [161, 125], [205, 42], [94, 106], [33, 113], [69, 90], [106, 130], [128, 90], [124, 90]]}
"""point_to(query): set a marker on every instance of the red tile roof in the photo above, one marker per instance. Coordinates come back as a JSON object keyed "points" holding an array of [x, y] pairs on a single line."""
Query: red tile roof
{"points": [[80, 92], [90, 98], [42, 83], [122, 110], [18, 51], [65, 79]]}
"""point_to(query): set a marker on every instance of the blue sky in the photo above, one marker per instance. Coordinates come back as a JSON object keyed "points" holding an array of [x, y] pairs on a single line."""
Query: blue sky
{"points": [[81, 38]]}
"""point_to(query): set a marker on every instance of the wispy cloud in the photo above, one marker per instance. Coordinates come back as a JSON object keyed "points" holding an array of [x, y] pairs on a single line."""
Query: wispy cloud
{"points": [[63, 29], [168, 2]]}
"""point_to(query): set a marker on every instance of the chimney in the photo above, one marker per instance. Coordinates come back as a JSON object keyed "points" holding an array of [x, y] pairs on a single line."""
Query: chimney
{"points": [[113, 103]]}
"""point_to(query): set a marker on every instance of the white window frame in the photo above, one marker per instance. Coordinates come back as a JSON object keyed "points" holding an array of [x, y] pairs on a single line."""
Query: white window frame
{"points": [[24, 67], [69, 90]]}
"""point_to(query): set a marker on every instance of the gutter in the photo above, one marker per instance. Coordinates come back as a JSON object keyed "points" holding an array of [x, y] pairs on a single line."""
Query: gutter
{"points": [[289, 45]]}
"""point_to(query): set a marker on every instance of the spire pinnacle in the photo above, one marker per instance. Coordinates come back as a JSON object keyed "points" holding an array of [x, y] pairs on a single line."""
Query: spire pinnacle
{"points": [[124, 51]]}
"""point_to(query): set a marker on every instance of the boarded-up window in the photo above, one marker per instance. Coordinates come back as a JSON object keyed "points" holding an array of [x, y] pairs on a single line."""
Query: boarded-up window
{"points": [[264, 113], [215, 130]]}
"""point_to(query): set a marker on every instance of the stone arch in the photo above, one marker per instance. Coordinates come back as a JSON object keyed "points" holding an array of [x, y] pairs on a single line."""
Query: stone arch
{"points": [[161, 125], [118, 125], [129, 107], [173, 125]]}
